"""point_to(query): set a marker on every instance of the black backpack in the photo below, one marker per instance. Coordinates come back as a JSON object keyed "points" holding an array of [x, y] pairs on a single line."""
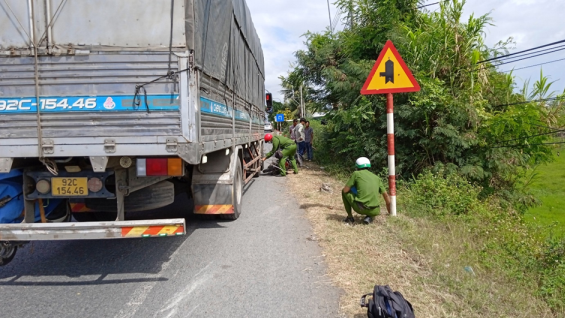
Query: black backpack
{"points": [[387, 304]]}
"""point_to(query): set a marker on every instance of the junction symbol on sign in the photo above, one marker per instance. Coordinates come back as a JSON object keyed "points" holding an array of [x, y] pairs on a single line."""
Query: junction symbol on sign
{"points": [[390, 74]]}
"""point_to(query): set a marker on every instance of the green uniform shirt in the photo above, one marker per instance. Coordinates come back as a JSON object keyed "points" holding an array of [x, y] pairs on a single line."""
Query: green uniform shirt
{"points": [[279, 142], [369, 188]]}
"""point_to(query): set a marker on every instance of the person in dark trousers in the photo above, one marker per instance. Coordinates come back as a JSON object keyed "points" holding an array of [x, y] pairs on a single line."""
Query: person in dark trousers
{"points": [[288, 148], [309, 139], [300, 137], [291, 129], [361, 193]]}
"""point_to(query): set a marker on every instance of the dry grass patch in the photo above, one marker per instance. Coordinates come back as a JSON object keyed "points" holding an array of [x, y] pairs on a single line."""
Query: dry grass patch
{"points": [[361, 256], [424, 260]]}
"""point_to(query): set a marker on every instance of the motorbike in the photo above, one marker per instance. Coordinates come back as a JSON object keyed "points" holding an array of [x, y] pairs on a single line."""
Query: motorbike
{"points": [[273, 169]]}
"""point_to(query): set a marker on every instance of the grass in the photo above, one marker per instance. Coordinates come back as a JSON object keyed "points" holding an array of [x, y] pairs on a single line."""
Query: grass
{"points": [[549, 187], [441, 265]]}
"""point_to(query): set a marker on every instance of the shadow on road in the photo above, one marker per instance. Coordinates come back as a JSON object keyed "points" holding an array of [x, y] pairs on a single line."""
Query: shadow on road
{"points": [[93, 262]]}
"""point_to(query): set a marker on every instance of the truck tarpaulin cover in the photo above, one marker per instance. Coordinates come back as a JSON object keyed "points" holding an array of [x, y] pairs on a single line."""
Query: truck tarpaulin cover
{"points": [[221, 33], [226, 45]]}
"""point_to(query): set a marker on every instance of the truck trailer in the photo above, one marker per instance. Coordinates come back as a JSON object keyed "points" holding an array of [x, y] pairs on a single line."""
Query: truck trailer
{"points": [[110, 107]]}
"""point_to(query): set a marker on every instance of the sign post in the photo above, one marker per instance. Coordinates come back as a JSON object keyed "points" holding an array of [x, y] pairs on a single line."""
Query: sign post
{"points": [[390, 75]]}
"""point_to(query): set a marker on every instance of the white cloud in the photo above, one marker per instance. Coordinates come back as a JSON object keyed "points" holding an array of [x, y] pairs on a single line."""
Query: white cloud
{"points": [[531, 23], [281, 24]]}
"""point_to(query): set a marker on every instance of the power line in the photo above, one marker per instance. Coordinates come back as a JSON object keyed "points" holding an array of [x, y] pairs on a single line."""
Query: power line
{"points": [[522, 146], [426, 5], [540, 51], [330, 16], [528, 137], [529, 57], [520, 52], [531, 101], [540, 64], [508, 62]]}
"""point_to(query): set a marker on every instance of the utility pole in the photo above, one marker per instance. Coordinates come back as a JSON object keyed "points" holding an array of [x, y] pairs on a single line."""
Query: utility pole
{"points": [[330, 16], [350, 13], [302, 108]]}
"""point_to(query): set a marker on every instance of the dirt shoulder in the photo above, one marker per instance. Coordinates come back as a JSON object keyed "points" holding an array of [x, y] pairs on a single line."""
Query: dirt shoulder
{"points": [[359, 256], [433, 263]]}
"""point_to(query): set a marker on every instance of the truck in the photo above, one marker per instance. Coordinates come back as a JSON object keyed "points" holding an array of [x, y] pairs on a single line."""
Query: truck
{"points": [[111, 107]]}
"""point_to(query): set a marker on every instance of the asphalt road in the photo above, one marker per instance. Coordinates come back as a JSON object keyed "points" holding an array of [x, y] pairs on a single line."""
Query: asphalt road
{"points": [[262, 265]]}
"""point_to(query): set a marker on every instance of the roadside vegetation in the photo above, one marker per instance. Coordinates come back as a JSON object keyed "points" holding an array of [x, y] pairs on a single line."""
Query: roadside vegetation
{"points": [[470, 147], [548, 186], [482, 262]]}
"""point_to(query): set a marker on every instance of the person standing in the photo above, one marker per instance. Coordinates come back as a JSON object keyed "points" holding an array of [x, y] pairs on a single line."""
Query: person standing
{"points": [[300, 137], [361, 193], [309, 139], [291, 130], [288, 149]]}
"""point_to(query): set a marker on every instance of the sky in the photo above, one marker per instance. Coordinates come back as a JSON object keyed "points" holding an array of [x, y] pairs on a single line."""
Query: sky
{"points": [[281, 25]]}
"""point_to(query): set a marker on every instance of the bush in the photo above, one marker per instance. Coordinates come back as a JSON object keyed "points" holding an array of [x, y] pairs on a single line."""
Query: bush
{"points": [[491, 233], [437, 194]]}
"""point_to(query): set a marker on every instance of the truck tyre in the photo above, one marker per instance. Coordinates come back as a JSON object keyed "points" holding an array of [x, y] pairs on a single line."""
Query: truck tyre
{"points": [[7, 253], [237, 193]]}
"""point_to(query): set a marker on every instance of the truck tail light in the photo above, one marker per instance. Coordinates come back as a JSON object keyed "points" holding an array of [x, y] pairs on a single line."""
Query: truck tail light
{"points": [[43, 186], [94, 185], [158, 167], [174, 166]]}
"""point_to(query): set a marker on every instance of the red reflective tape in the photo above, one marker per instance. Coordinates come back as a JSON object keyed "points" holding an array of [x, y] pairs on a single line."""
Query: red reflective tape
{"points": [[390, 140], [126, 230], [392, 185], [180, 230], [153, 230], [214, 209]]}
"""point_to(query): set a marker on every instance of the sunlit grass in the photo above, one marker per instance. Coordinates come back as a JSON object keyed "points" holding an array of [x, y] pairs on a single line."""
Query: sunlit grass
{"points": [[549, 187]]}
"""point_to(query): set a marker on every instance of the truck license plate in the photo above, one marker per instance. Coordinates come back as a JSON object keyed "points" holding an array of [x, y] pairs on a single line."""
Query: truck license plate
{"points": [[69, 187]]}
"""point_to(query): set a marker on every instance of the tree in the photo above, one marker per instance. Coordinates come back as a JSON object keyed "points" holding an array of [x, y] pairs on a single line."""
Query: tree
{"points": [[466, 119]]}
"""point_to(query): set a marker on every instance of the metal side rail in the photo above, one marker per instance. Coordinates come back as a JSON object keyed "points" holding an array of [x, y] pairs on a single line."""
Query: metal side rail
{"points": [[91, 230]]}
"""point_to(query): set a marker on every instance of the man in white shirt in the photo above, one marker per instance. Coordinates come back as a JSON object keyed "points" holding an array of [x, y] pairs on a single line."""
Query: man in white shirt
{"points": [[300, 136]]}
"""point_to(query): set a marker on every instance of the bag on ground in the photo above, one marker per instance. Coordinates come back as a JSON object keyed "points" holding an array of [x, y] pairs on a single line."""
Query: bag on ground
{"points": [[386, 303]]}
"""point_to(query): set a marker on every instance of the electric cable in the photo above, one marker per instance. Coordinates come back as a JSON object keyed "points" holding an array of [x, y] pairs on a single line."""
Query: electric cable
{"points": [[530, 66], [426, 5], [508, 62], [528, 137], [520, 52], [535, 52], [522, 146], [530, 101]]}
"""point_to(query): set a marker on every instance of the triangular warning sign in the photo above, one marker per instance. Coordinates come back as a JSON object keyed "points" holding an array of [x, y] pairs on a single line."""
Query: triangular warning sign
{"points": [[390, 74]]}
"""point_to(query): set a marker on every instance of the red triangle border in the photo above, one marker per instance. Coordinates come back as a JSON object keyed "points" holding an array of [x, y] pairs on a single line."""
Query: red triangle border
{"points": [[389, 45]]}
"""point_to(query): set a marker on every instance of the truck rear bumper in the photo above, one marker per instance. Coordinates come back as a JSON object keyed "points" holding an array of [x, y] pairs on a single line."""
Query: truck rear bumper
{"points": [[92, 230]]}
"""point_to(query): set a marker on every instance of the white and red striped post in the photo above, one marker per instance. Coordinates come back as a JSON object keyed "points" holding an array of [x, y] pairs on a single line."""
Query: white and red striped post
{"points": [[391, 163]]}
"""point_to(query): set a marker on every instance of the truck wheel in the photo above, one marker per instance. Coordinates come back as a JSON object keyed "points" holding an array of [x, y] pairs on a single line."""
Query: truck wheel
{"points": [[236, 194], [7, 253]]}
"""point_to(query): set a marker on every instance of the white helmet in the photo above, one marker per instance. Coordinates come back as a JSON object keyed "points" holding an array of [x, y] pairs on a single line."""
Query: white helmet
{"points": [[362, 163]]}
